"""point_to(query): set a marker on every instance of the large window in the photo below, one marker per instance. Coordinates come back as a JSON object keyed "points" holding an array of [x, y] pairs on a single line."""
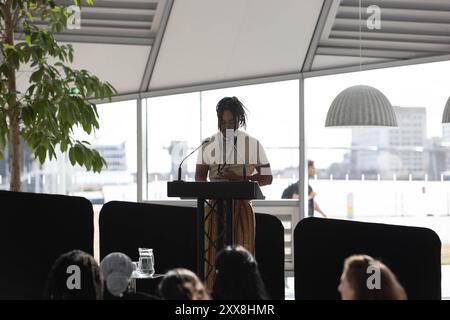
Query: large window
{"points": [[177, 124], [173, 127], [116, 142], [392, 175]]}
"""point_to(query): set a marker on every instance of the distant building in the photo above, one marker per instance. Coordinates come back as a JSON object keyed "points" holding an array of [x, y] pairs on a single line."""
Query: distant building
{"points": [[446, 144], [446, 132], [26, 163], [178, 150], [397, 151], [115, 156], [436, 153]]}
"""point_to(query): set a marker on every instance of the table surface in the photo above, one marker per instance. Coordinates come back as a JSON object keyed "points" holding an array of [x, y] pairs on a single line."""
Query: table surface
{"points": [[139, 275]]}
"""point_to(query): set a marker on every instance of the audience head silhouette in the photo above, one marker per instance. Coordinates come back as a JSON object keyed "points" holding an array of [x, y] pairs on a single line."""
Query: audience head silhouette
{"points": [[75, 275], [237, 276], [182, 284], [117, 269], [365, 278]]}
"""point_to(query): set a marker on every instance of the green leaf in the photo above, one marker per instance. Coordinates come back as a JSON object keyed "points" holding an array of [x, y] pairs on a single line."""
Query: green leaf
{"points": [[36, 76], [41, 153], [27, 115], [72, 158], [51, 152], [79, 155], [63, 146]]}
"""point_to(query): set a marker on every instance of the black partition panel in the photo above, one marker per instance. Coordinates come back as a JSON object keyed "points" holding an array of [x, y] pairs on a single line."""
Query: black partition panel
{"points": [[321, 246], [35, 229], [270, 253], [171, 232]]}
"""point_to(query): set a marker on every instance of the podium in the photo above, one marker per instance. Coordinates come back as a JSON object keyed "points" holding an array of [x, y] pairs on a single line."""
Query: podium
{"points": [[224, 193]]}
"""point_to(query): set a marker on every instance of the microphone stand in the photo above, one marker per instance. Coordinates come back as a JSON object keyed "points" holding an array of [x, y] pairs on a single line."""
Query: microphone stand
{"points": [[179, 167]]}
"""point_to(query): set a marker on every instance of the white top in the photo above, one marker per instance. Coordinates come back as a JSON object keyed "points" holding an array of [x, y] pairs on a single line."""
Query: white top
{"points": [[231, 153]]}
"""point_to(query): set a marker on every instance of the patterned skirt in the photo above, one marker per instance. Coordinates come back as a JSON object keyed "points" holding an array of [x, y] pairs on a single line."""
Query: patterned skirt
{"points": [[244, 233]]}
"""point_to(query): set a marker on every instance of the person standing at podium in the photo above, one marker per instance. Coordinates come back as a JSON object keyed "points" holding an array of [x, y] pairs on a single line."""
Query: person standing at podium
{"points": [[231, 155]]}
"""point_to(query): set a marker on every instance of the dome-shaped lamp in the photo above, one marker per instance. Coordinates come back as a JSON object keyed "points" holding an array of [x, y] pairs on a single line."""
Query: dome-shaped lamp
{"points": [[446, 115], [361, 106]]}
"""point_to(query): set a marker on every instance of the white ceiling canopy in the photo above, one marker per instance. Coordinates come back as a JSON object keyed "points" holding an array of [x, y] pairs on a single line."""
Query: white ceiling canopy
{"points": [[209, 41], [155, 47], [121, 65], [109, 62]]}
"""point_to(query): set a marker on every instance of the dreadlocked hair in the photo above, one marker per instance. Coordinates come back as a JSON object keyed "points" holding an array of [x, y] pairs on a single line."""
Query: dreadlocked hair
{"points": [[235, 107]]}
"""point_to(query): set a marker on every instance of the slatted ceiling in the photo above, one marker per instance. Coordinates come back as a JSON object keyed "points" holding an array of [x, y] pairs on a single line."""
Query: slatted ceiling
{"points": [[114, 41], [258, 38], [392, 14], [409, 29], [115, 22], [436, 5], [398, 37]]}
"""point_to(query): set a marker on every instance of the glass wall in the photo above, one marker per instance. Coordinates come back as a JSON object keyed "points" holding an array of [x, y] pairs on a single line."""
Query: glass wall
{"points": [[173, 131], [390, 175], [177, 124], [116, 142]]}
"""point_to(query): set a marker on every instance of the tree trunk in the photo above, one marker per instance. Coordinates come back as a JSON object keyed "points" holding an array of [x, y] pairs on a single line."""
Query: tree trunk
{"points": [[13, 112], [15, 156]]}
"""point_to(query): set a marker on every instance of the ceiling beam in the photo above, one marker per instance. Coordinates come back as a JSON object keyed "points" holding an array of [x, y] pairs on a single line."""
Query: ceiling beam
{"points": [[326, 6], [395, 26], [126, 4], [96, 39], [151, 62], [386, 36], [376, 65], [387, 45], [370, 53], [329, 21], [116, 16]]}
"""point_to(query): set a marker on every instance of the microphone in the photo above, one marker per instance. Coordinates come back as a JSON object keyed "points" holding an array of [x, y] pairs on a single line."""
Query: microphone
{"points": [[244, 172], [179, 167]]}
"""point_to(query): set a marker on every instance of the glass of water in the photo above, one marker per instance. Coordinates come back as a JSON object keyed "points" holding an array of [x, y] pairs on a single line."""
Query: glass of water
{"points": [[146, 262]]}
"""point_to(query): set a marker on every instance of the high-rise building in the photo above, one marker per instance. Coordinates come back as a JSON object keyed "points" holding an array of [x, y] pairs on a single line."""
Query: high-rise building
{"points": [[397, 151]]}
